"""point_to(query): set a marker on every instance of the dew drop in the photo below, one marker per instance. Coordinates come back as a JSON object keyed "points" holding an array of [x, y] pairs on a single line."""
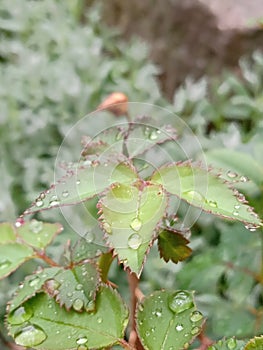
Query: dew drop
{"points": [[54, 201], [82, 340], [34, 282], [186, 345], [171, 348], [78, 304], [153, 135], [237, 206], [147, 333], [134, 241], [231, 343], [69, 294], [250, 227], [179, 327], [52, 284], [147, 131], [180, 301], [136, 224], [194, 195], [30, 336], [231, 174], [118, 136], [20, 315], [39, 203], [4, 264], [158, 312], [90, 305], [36, 226], [244, 179], [99, 320], [235, 213], [89, 237], [19, 222], [78, 182], [107, 227], [65, 194], [195, 330], [196, 316], [212, 204], [79, 286], [141, 307], [241, 198]]}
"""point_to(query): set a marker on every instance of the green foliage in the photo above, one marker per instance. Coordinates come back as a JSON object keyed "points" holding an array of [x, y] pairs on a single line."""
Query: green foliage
{"points": [[54, 69], [168, 320]]}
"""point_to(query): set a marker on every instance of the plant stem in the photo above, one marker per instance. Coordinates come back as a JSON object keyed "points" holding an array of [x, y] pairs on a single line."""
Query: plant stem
{"points": [[135, 295], [261, 268], [44, 257], [126, 345], [104, 265]]}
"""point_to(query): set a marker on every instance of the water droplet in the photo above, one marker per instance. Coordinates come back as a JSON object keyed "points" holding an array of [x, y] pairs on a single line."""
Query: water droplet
{"points": [[153, 135], [241, 198], [89, 236], [186, 345], [153, 329], [237, 206], [179, 327], [30, 336], [69, 294], [194, 195], [79, 286], [244, 179], [196, 316], [90, 305], [54, 201], [195, 330], [250, 227], [65, 194], [147, 131], [158, 312], [99, 320], [78, 304], [136, 224], [180, 301], [36, 226], [82, 340], [147, 333], [39, 202], [231, 343], [4, 264], [118, 136], [19, 222], [212, 204], [171, 348], [235, 213], [107, 227], [34, 282], [52, 284], [231, 174], [20, 315], [134, 241], [141, 307]]}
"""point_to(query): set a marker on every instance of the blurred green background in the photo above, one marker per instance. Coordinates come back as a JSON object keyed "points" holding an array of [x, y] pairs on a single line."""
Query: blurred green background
{"points": [[60, 59]]}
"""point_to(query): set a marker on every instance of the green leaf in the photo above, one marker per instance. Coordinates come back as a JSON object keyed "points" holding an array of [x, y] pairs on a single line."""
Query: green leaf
{"points": [[82, 184], [50, 327], [130, 216], [239, 162], [228, 344], [38, 234], [32, 285], [88, 247], [202, 189], [168, 320], [255, 344], [7, 233], [75, 287], [12, 255], [173, 246], [143, 137]]}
